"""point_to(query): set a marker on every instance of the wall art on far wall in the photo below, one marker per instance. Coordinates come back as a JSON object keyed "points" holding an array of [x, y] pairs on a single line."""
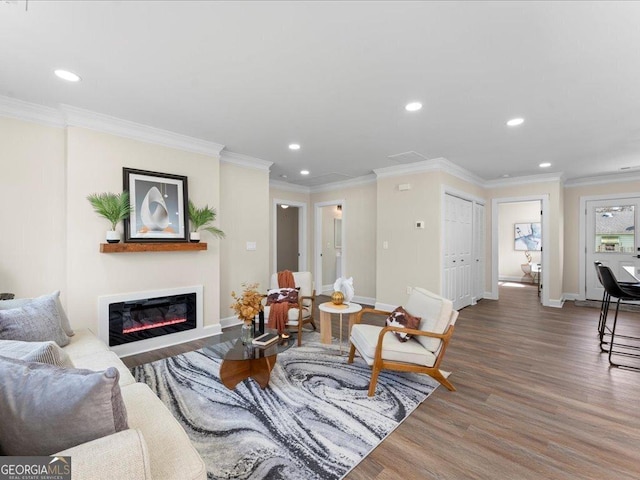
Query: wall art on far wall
{"points": [[528, 236], [158, 206]]}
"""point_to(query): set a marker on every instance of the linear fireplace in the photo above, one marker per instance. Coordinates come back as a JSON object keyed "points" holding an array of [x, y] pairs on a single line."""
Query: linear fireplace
{"points": [[142, 316]]}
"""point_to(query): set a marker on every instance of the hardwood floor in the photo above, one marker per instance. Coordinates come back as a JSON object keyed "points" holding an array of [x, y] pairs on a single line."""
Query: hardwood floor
{"points": [[535, 399]]}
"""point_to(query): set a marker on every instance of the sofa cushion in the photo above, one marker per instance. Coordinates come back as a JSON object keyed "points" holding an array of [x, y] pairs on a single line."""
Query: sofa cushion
{"points": [[83, 343], [365, 339], [46, 408], [36, 321], [20, 302], [43, 352], [401, 318], [293, 315], [101, 360], [435, 313], [172, 455]]}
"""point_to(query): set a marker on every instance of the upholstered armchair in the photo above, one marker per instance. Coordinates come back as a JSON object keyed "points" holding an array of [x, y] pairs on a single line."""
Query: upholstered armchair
{"points": [[381, 348], [301, 314]]}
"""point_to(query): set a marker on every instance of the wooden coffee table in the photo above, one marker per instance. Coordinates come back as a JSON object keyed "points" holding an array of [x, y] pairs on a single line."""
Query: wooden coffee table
{"points": [[248, 361]]}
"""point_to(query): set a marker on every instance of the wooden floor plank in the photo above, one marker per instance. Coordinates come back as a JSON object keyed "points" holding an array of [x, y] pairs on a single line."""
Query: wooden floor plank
{"points": [[535, 399]]}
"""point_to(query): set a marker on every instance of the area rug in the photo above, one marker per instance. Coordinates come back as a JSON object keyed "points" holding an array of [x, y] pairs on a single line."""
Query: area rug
{"points": [[314, 421]]}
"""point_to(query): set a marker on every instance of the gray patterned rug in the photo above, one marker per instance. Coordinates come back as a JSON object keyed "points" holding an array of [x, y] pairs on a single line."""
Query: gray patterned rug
{"points": [[314, 421]]}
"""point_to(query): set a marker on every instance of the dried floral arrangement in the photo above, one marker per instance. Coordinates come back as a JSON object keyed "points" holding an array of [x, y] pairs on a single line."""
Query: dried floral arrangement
{"points": [[249, 303]]}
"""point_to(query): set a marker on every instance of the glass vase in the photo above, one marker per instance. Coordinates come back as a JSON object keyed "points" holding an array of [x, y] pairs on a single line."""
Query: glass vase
{"points": [[246, 332]]}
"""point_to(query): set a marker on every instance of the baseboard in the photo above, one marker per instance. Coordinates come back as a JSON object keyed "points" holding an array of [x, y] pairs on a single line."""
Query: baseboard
{"points": [[327, 289], [385, 307], [571, 297], [364, 300], [490, 296], [555, 303], [230, 322], [523, 279]]}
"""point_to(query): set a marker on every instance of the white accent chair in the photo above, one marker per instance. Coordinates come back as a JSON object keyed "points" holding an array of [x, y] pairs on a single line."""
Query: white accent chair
{"points": [[423, 353], [303, 313]]}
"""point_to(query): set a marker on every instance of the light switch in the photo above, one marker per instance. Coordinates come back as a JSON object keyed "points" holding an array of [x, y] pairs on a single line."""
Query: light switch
{"points": [[251, 245]]}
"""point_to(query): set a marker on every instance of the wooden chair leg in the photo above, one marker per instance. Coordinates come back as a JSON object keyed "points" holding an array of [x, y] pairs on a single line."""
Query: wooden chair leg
{"points": [[352, 353], [437, 374], [299, 333], [374, 381]]}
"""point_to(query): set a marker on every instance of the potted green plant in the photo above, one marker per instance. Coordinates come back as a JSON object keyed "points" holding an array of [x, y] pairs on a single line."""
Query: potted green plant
{"points": [[115, 207], [200, 218]]}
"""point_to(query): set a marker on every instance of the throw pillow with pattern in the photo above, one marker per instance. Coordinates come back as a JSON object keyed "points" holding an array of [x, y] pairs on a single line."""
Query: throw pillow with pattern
{"points": [[401, 318], [282, 295]]}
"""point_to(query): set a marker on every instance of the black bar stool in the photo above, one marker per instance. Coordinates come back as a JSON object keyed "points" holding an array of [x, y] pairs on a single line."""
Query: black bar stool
{"points": [[622, 293]]}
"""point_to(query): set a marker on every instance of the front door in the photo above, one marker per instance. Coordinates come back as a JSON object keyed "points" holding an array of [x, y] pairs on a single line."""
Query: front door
{"points": [[612, 238]]}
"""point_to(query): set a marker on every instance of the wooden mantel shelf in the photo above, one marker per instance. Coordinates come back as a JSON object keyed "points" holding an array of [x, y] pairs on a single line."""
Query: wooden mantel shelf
{"points": [[151, 247]]}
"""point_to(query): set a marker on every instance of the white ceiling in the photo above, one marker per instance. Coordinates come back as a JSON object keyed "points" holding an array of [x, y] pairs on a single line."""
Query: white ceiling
{"points": [[335, 76]]}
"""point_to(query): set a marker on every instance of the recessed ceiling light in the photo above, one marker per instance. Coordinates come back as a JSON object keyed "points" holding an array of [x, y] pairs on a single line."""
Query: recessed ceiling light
{"points": [[413, 106], [514, 122], [506, 175], [67, 75], [544, 165], [284, 206], [304, 172], [283, 176], [294, 146]]}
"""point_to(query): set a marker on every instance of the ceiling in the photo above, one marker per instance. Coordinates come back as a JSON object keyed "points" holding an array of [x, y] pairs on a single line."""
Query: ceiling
{"points": [[335, 77]]}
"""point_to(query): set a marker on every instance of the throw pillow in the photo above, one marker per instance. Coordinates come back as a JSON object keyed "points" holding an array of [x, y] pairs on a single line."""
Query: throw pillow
{"points": [[46, 409], [282, 295], [21, 302], [401, 318], [43, 352], [37, 321]]}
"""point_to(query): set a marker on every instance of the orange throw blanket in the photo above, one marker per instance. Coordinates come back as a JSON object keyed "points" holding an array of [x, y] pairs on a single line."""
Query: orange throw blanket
{"points": [[279, 312]]}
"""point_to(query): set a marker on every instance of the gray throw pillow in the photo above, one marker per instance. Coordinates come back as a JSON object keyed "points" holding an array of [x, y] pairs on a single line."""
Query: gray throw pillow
{"points": [[43, 352], [21, 302], [37, 321], [46, 409]]}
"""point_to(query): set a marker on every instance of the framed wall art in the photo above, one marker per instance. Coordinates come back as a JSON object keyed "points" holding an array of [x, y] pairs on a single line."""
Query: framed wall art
{"points": [[158, 207], [528, 236]]}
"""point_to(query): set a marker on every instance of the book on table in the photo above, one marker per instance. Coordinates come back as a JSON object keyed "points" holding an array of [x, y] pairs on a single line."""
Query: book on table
{"points": [[266, 339]]}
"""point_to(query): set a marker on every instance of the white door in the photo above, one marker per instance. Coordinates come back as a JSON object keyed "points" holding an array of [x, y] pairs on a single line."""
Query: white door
{"points": [[458, 240], [611, 238], [478, 251]]}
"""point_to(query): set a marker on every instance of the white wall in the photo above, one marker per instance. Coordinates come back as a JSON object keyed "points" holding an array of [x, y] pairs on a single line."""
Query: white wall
{"points": [[94, 164], [510, 259], [33, 217]]}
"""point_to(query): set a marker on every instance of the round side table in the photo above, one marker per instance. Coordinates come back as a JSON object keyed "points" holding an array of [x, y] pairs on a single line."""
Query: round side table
{"points": [[326, 309]]}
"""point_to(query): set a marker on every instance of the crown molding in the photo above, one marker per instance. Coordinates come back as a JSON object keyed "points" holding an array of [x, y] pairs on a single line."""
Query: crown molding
{"points": [[289, 187], [341, 185], [79, 117], [439, 164], [612, 178], [31, 112], [525, 180], [245, 160]]}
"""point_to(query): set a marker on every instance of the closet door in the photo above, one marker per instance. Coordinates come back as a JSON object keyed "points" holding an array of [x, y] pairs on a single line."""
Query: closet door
{"points": [[457, 250], [478, 251]]}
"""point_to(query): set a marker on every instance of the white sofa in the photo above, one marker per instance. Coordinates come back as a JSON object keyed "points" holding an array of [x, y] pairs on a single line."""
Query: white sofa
{"points": [[154, 447]]}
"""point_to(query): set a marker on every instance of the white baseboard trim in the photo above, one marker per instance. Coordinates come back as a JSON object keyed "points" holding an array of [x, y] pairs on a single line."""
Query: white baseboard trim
{"points": [[387, 307], [490, 296], [161, 342], [327, 289], [523, 279], [571, 297], [230, 322], [364, 300], [556, 303]]}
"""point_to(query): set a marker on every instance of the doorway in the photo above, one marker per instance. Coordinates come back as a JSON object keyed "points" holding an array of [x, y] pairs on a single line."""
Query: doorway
{"points": [[289, 236], [611, 237], [330, 244], [540, 276]]}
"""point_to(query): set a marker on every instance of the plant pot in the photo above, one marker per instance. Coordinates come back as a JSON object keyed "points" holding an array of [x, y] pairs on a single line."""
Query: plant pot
{"points": [[194, 237], [113, 236]]}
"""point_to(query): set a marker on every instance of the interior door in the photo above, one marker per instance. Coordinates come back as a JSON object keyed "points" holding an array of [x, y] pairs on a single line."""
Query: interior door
{"points": [[458, 240], [611, 238], [478, 251]]}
